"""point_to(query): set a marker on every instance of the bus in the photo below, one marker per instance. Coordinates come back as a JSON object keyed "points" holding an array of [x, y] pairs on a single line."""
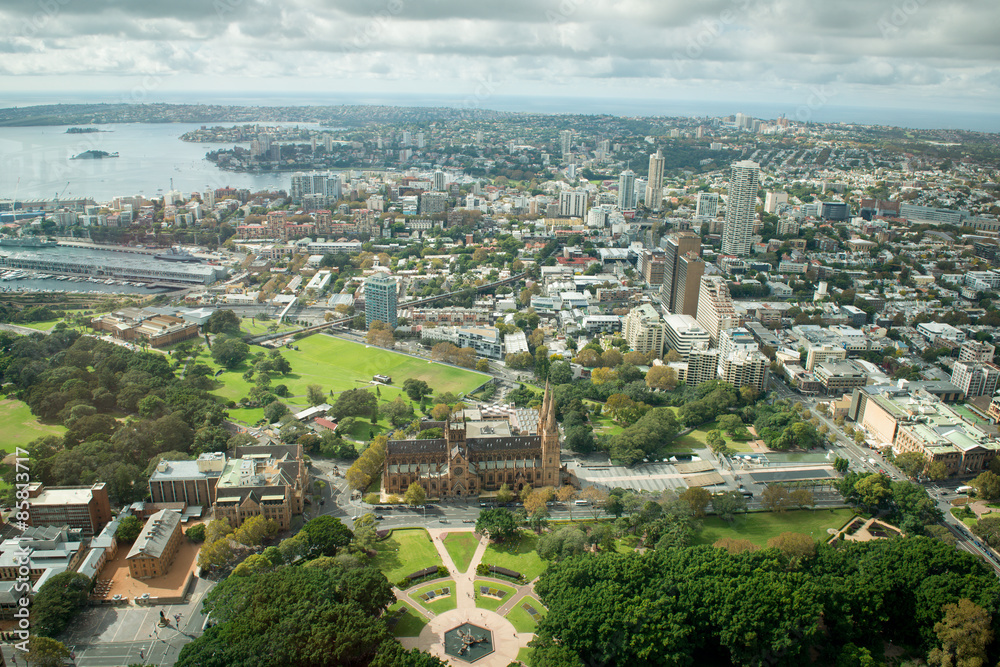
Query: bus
{"points": [[964, 489]]}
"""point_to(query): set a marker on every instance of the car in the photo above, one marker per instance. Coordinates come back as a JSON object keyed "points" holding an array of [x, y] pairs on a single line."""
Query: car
{"points": [[468, 520], [322, 502], [378, 517], [442, 520]]}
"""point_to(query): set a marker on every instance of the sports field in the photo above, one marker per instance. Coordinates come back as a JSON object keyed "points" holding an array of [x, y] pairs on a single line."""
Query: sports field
{"points": [[338, 365], [19, 426]]}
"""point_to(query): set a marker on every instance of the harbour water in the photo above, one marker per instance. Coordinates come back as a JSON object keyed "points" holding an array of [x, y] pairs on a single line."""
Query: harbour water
{"points": [[37, 162]]}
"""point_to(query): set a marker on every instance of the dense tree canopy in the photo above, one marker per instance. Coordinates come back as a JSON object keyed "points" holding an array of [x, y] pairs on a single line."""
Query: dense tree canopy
{"points": [[700, 605], [300, 616]]}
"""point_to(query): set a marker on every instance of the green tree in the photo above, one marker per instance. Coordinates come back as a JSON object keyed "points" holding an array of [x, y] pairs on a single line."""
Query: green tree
{"points": [[727, 505], [215, 554], [46, 652], [415, 495], [274, 411], [698, 499], [497, 524], [398, 412], [964, 635], [775, 498], [327, 535], [355, 403], [315, 395], [987, 485], [841, 465], [129, 528], [255, 530], [911, 464], [936, 471], [873, 490], [562, 543], [196, 533], [229, 352], [222, 322], [57, 602], [504, 494]]}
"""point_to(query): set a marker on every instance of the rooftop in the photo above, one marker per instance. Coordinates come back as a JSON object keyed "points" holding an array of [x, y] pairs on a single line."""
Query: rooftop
{"points": [[155, 534]]}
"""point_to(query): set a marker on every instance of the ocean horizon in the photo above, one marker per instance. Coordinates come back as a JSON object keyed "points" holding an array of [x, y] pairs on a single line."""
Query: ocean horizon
{"points": [[913, 118]]}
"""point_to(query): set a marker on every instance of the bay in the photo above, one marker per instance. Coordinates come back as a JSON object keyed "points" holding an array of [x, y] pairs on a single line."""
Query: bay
{"points": [[35, 162]]}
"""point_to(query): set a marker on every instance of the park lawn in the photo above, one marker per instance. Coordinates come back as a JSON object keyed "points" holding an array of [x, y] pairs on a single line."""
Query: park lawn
{"points": [[521, 557], [404, 552], [411, 623], [40, 326], [337, 365], [519, 618], [461, 547], [437, 606], [492, 604], [19, 426], [524, 655], [969, 521], [605, 425], [261, 327], [759, 527]]}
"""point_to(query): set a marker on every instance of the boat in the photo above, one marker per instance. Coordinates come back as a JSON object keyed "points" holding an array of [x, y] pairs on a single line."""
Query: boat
{"points": [[27, 242], [175, 254]]}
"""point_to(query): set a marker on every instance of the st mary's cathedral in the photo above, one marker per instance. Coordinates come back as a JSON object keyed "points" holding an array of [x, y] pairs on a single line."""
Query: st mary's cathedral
{"points": [[476, 456]]}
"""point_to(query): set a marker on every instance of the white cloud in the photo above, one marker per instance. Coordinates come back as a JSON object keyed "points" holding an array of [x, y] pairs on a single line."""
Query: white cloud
{"points": [[872, 49]]}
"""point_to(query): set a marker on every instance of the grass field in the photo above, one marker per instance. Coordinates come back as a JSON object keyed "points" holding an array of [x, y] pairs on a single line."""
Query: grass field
{"points": [[404, 552], [491, 603], [338, 365], [969, 521], [759, 527], [19, 426], [437, 606], [524, 655], [411, 623], [521, 557], [259, 328], [461, 547], [519, 617]]}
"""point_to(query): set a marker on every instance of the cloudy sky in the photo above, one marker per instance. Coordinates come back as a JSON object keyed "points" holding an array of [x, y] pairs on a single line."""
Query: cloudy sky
{"points": [[938, 53]]}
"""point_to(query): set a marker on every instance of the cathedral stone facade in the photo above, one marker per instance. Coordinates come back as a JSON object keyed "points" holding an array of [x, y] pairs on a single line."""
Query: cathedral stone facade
{"points": [[476, 457]]}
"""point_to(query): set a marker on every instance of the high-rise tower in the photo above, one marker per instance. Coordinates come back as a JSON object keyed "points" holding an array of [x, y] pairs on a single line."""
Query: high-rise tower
{"points": [[741, 208], [654, 186], [626, 190]]}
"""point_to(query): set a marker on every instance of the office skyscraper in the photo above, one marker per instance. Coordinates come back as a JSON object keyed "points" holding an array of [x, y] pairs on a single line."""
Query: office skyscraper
{"points": [[654, 187], [626, 190], [690, 269], [674, 246], [380, 300], [741, 208]]}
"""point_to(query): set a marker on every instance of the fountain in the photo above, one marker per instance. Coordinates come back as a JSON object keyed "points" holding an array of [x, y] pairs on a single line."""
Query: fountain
{"points": [[468, 642]]}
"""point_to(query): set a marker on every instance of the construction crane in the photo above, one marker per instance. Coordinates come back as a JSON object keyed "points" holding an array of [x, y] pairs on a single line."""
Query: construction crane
{"points": [[60, 194]]}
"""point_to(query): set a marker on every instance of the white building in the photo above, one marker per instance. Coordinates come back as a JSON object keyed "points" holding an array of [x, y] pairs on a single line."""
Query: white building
{"points": [[741, 208], [683, 333]]}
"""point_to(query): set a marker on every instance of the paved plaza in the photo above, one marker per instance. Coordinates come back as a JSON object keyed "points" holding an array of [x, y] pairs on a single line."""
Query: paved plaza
{"points": [[506, 640]]}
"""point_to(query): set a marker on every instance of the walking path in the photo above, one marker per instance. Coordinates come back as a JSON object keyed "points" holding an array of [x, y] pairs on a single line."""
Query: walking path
{"points": [[506, 640]]}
